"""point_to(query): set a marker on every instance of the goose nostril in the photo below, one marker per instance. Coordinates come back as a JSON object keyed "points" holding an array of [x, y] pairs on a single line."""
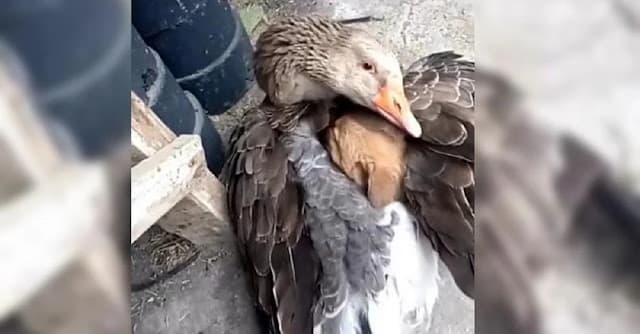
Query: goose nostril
{"points": [[397, 105]]}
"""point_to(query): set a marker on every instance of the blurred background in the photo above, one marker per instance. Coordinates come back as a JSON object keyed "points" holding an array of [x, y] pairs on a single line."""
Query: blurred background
{"points": [[558, 208], [558, 169], [64, 166]]}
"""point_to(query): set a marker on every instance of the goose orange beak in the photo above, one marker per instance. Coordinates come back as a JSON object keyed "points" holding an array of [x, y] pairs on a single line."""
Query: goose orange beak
{"points": [[393, 105]]}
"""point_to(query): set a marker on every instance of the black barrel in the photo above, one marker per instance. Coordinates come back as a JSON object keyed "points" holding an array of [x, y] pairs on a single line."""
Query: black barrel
{"points": [[77, 55], [179, 110], [204, 45]]}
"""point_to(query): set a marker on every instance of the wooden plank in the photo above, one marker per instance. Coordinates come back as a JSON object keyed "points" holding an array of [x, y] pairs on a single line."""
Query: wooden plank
{"points": [[95, 307], [26, 151], [22, 133], [47, 227], [202, 215], [12, 181], [159, 182], [55, 212], [148, 133]]}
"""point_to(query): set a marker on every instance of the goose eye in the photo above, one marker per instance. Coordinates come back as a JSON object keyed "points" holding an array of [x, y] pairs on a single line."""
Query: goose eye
{"points": [[368, 67]]}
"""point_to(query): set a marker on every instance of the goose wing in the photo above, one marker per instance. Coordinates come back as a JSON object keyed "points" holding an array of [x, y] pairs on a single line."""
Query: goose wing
{"points": [[439, 180], [266, 210]]}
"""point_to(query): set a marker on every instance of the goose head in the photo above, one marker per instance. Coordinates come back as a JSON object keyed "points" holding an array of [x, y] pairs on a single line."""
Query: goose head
{"points": [[312, 58]]}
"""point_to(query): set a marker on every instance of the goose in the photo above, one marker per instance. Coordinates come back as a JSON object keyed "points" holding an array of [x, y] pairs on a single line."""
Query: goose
{"points": [[319, 254]]}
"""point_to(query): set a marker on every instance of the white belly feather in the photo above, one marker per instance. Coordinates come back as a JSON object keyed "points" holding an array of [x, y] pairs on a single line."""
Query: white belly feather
{"points": [[405, 305]]}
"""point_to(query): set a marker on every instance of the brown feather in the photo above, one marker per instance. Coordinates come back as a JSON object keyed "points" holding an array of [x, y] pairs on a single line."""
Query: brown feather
{"points": [[443, 201], [443, 130], [291, 46], [265, 205]]}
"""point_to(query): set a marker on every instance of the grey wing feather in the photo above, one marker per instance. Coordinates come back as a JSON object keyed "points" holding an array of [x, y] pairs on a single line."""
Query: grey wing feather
{"points": [[440, 179], [266, 210], [341, 221]]}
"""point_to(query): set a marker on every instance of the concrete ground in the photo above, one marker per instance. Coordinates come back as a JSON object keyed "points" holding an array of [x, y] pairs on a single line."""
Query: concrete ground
{"points": [[210, 295]]}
